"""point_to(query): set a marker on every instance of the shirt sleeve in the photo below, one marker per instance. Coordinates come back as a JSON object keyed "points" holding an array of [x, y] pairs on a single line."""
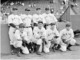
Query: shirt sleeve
{"points": [[61, 34], [54, 18], [57, 32], [10, 19], [20, 20], [72, 34]]}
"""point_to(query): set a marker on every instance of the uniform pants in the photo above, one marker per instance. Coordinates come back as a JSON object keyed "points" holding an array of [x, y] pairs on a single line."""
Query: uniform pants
{"points": [[47, 47], [11, 35]]}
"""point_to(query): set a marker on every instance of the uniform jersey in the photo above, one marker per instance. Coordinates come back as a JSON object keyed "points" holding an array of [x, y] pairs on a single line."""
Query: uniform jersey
{"points": [[49, 18], [65, 34], [37, 18], [18, 34], [27, 34], [17, 20], [10, 19], [51, 33], [39, 32], [27, 19], [18, 38], [23, 16]]}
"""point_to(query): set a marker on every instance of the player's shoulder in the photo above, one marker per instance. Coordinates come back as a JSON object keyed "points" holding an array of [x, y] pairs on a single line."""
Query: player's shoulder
{"points": [[16, 16], [44, 14], [29, 15], [34, 14], [23, 15], [71, 29], [63, 30], [12, 15]]}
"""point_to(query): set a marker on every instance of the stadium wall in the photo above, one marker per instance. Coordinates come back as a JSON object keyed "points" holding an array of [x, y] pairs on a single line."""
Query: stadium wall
{"points": [[5, 44]]}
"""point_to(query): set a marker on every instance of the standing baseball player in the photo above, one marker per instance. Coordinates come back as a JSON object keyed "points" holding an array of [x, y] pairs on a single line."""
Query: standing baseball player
{"points": [[67, 36], [39, 36], [13, 22], [49, 18], [11, 31], [38, 17], [27, 35]]}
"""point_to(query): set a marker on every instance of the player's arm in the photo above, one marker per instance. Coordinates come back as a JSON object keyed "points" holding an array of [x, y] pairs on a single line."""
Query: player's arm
{"points": [[20, 20], [17, 35], [9, 20], [61, 34], [72, 34]]}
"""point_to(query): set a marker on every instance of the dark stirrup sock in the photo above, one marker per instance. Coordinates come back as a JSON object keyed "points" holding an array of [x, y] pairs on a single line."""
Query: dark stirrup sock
{"points": [[38, 53], [68, 47]]}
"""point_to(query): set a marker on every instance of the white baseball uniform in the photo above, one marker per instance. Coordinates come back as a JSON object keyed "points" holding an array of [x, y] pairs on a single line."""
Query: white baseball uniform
{"points": [[49, 18], [39, 34], [27, 19], [27, 35], [11, 29], [37, 18], [68, 36], [50, 34], [18, 36], [17, 20]]}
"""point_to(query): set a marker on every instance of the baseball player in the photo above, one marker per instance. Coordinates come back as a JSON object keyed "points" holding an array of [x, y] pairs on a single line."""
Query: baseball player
{"points": [[17, 20], [67, 36], [39, 36], [11, 31], [13, 22], [18, 39], [27, 35], [52, 36], [38, 17], [49, 18]]}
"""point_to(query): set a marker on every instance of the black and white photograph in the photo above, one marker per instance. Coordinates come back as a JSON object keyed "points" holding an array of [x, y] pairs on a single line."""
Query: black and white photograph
{"points": [[39, 29]]}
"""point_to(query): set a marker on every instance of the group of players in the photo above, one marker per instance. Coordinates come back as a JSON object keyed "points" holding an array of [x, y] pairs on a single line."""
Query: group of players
{"points": [[38, 33]]}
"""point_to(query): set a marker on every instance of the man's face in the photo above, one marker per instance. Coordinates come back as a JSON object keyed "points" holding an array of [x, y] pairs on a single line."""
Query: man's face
{"points": [[48, 12], [68, 28], [40, 25], [52, 27], [39, 11]]}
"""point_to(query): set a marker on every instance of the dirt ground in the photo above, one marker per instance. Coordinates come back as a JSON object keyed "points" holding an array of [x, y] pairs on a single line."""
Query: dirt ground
{"points": [[74, 54]]}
